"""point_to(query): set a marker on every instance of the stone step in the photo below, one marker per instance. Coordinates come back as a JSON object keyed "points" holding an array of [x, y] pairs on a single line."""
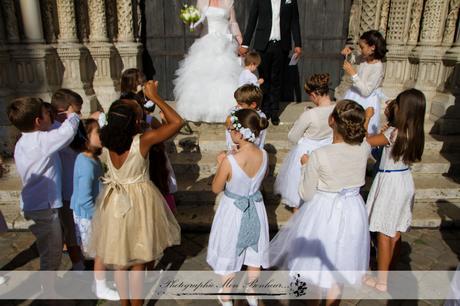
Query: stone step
{"points": [[205, 164], [199, 216], [214, 141]]}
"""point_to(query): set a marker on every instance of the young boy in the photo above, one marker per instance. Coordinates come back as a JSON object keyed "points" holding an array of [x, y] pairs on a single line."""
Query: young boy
{"points": [[62, 100], [252, 60], [247, 96], [38, 164]]}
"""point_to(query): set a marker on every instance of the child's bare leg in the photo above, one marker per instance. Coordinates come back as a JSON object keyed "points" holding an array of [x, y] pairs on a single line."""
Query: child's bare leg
{"points": [[396, 249], [136, 284], [226, 286], [99, 269], [121, 279], [384, 257], [334, 295]]}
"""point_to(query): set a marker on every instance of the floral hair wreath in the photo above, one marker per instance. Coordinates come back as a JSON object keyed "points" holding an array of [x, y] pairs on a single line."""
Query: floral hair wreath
{"points": [[246, 132]]}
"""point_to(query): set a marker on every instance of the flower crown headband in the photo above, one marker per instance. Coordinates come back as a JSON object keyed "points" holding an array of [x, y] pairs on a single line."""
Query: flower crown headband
{"points": [[246, 132]]}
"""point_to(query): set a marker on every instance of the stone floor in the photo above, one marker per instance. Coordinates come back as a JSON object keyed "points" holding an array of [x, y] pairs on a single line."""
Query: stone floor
{"points": [[422, 249]]}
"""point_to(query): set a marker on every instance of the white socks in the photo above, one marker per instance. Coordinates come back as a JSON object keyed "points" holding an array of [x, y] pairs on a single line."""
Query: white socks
{"points": [[104, 292]]}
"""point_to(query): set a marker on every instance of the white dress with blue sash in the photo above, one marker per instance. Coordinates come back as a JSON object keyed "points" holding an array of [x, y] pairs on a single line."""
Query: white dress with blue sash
{"points": [[240, 208]]}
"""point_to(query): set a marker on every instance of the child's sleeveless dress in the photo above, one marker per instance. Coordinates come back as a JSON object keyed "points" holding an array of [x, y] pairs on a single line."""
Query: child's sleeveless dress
{"points": [[391, 197], [288, 178], [235, 238], [132, 222], [327, 240]]}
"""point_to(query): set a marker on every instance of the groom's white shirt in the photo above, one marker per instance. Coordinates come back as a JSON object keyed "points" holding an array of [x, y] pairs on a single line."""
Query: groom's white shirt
{"points": [[276, 32]]}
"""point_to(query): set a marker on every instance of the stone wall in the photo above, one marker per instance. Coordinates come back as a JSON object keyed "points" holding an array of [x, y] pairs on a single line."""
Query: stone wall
{"points": [[83, 45], [424, 51]]}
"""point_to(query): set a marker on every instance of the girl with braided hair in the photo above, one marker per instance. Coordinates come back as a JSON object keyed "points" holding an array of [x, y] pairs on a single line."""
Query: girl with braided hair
{"points": [[311, 131], [327, 241]]}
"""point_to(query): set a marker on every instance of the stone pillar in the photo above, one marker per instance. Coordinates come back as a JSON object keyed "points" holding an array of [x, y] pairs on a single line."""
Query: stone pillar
{"points": [[445, 108], [384, 17], [102, 53], [9, 13], [429, 52], [32, 21], [354, 22], [397, 65], [129, 50], [73, 56]]}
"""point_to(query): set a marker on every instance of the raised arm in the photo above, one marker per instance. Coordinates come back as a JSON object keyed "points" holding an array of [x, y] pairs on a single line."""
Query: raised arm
{"points": [[173, 121], [57, 139], [367, 86]]}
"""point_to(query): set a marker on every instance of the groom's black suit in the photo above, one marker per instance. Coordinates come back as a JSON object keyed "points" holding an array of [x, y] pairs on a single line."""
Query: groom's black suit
{"points": [[273, 52]]}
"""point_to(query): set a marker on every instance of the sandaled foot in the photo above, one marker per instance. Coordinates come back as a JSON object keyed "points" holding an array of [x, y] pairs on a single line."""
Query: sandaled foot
{"points": [[369, 281], [381, 287]]}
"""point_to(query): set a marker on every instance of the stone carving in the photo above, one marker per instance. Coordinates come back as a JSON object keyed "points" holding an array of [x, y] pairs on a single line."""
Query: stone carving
{"points": [[138, 21], [111, 16], [397, 29], [414, 27], [433, 21], [384, 17], [81, 7], [368, 15], [67, 24], [47, 15], [9, 13], [125, 21], [449, 30], [97, 21], [353, 23]]}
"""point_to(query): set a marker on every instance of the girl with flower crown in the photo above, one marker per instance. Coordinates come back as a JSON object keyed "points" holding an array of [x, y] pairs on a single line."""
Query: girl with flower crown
{"points": [[239, 234]]}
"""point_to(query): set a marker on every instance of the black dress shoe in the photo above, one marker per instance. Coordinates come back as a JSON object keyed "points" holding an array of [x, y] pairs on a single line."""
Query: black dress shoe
{"points": [[275, 120]]}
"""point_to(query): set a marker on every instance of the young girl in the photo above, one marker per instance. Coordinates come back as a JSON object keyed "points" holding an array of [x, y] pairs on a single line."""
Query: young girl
{"points": [[239, 233], [134, 224], [133, 81], [86, 175], [368, 79], [391, 197], [311, 131], [330, 232]]}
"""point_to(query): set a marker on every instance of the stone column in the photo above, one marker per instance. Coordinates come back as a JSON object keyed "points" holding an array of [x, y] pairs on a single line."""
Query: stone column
{"points": [[130, 51], [445, 108], [429, 52], [102, 53], [10, 20], [73, 56], [32, 21], [397, 65]]}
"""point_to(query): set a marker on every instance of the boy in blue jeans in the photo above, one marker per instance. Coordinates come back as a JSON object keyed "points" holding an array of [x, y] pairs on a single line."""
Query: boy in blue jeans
{"points": [[38, 164]]}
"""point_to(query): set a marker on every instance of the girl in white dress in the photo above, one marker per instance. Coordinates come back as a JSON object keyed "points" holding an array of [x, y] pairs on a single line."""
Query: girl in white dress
{"points": [[208, 76], [391, 197], [329, 234], [239, 234], [368, 79], [311, 131]]}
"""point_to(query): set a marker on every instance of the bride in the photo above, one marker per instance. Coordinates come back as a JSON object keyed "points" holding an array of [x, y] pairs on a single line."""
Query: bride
{"points": [[208, 76]]}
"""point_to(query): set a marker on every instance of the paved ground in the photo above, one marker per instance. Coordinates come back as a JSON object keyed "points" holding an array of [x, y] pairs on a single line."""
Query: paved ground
{"points": [[422, 249]]}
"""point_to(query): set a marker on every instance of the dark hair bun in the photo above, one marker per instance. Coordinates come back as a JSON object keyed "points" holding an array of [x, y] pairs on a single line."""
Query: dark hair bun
{"points": [[250, 119], [349, 118], [318, 83]]}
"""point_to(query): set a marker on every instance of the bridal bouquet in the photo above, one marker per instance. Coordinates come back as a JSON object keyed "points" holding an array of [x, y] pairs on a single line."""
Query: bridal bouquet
{"points": [[189, 14]]}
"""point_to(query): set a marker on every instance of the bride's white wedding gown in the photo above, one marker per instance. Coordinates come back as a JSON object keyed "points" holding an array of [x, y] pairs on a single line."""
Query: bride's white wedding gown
{"points": [[208, 76]]}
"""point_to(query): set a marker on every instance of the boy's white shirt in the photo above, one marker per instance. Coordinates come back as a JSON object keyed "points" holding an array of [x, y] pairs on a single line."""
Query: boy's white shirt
{"points": [[247, 77], [37, 161]]}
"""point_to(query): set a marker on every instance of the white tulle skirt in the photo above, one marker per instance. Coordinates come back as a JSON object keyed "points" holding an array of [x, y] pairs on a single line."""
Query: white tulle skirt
{"points": [[326, 241], [288, 179], [207, 79], [371, 101]]}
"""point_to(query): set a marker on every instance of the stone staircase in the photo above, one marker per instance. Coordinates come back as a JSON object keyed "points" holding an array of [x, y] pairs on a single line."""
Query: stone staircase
{"points": [[194, 160]]}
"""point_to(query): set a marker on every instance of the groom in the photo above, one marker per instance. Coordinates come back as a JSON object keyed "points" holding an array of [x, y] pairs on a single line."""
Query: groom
{"points": [[277, 23]]}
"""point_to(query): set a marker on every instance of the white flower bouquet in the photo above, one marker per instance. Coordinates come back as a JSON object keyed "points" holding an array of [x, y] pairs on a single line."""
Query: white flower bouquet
{"points": [[189, 14]]}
